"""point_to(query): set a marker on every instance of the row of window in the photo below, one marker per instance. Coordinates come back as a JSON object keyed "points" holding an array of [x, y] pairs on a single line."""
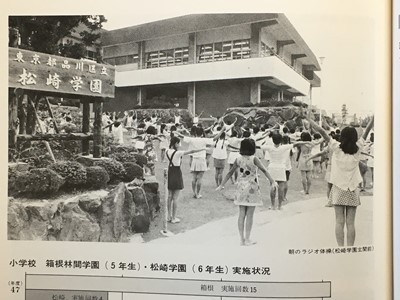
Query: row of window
{"points": [[238, 49], [228, 50], [163, 58]]}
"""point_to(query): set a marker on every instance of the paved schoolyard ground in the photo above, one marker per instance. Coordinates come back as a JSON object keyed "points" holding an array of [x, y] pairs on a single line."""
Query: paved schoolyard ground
{"points": [[215, 212]]}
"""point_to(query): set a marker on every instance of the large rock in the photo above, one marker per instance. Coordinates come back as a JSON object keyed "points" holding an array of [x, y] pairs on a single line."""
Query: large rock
{"points": [[96, 216], [142, 216], [115, 216], [28, 222], [71, 223], [17, 220], [90, 203], [150, 187]]}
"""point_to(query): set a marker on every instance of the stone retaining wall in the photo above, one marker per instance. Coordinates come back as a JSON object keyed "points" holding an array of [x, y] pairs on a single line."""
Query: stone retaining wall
{"points": [[98, 216]]}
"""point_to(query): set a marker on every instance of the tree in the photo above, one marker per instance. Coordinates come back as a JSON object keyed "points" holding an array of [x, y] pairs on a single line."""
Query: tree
{"points": [[344, 114], [44, 33]]}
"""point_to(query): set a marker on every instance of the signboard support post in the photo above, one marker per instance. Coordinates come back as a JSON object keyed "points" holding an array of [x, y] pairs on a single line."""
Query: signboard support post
{"points": [[85, 124], [97, 128]]}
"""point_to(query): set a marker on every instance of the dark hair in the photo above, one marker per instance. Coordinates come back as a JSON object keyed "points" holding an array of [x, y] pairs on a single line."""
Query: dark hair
{"points": [[193, 130], [285, 130], [68, 119], [332, 134], [371, 137], [337, 131], [174, 140], [172, 129], [147, 119], [142, 125], [246, 134], [247, 147], [277, 138], [292, 130], [348, 140], [151, 130], [256, 130], [153, 115], [199, 131], [285, 140], [234, 133], [219, 128], [116, 124], [317, 136], [305, 136], [162, 127], [221, 137]]}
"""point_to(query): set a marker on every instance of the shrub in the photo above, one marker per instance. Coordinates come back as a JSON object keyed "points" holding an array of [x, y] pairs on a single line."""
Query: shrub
{"points": [[132, 171], [13, 176], [39, 182], [123, 156], [109, 145], [97, 177], [114, 169], [141, 160], [73, 172]]}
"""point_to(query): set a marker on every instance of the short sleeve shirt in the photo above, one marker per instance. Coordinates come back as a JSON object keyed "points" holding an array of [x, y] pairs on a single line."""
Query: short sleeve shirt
{"points": [[196, 143], [177, 159], [345, 172]]}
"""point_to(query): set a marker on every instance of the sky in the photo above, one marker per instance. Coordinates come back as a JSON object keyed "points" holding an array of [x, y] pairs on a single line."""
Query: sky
{"points": [[346, 43]]}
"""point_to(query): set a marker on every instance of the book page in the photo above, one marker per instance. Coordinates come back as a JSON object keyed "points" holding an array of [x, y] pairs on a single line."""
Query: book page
{"points": [[208, 150]]}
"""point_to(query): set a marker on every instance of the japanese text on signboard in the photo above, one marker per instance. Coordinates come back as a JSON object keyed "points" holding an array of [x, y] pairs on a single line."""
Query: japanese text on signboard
{"points": [[45, 72]]}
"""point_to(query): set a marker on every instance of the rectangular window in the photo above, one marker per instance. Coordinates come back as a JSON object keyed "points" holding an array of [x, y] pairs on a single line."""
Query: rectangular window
{"points": [[91, 55], [169, 57], [227, 50]]}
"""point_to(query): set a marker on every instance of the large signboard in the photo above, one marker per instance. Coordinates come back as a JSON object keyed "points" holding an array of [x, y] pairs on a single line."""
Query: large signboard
{"points": [[45, 72]]}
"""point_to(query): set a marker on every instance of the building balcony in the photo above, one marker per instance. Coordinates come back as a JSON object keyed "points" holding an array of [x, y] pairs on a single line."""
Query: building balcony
{"points": [[270, 70]]}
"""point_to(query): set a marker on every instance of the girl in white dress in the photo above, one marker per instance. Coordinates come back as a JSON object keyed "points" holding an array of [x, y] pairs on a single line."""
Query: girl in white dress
{"points": [[248, 191]]}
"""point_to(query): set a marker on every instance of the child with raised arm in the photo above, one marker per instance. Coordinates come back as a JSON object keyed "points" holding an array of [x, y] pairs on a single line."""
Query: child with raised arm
{"points": [[279, 155], [345, 178], [175, 181], [247, 190]]}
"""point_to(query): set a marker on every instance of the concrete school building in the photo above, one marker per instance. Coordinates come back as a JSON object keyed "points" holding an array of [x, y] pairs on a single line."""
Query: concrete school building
{"points": [[210, 62]]}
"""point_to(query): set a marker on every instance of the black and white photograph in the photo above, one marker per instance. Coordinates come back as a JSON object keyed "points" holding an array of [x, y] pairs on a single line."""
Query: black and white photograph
{"points": [[212, 129]]}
